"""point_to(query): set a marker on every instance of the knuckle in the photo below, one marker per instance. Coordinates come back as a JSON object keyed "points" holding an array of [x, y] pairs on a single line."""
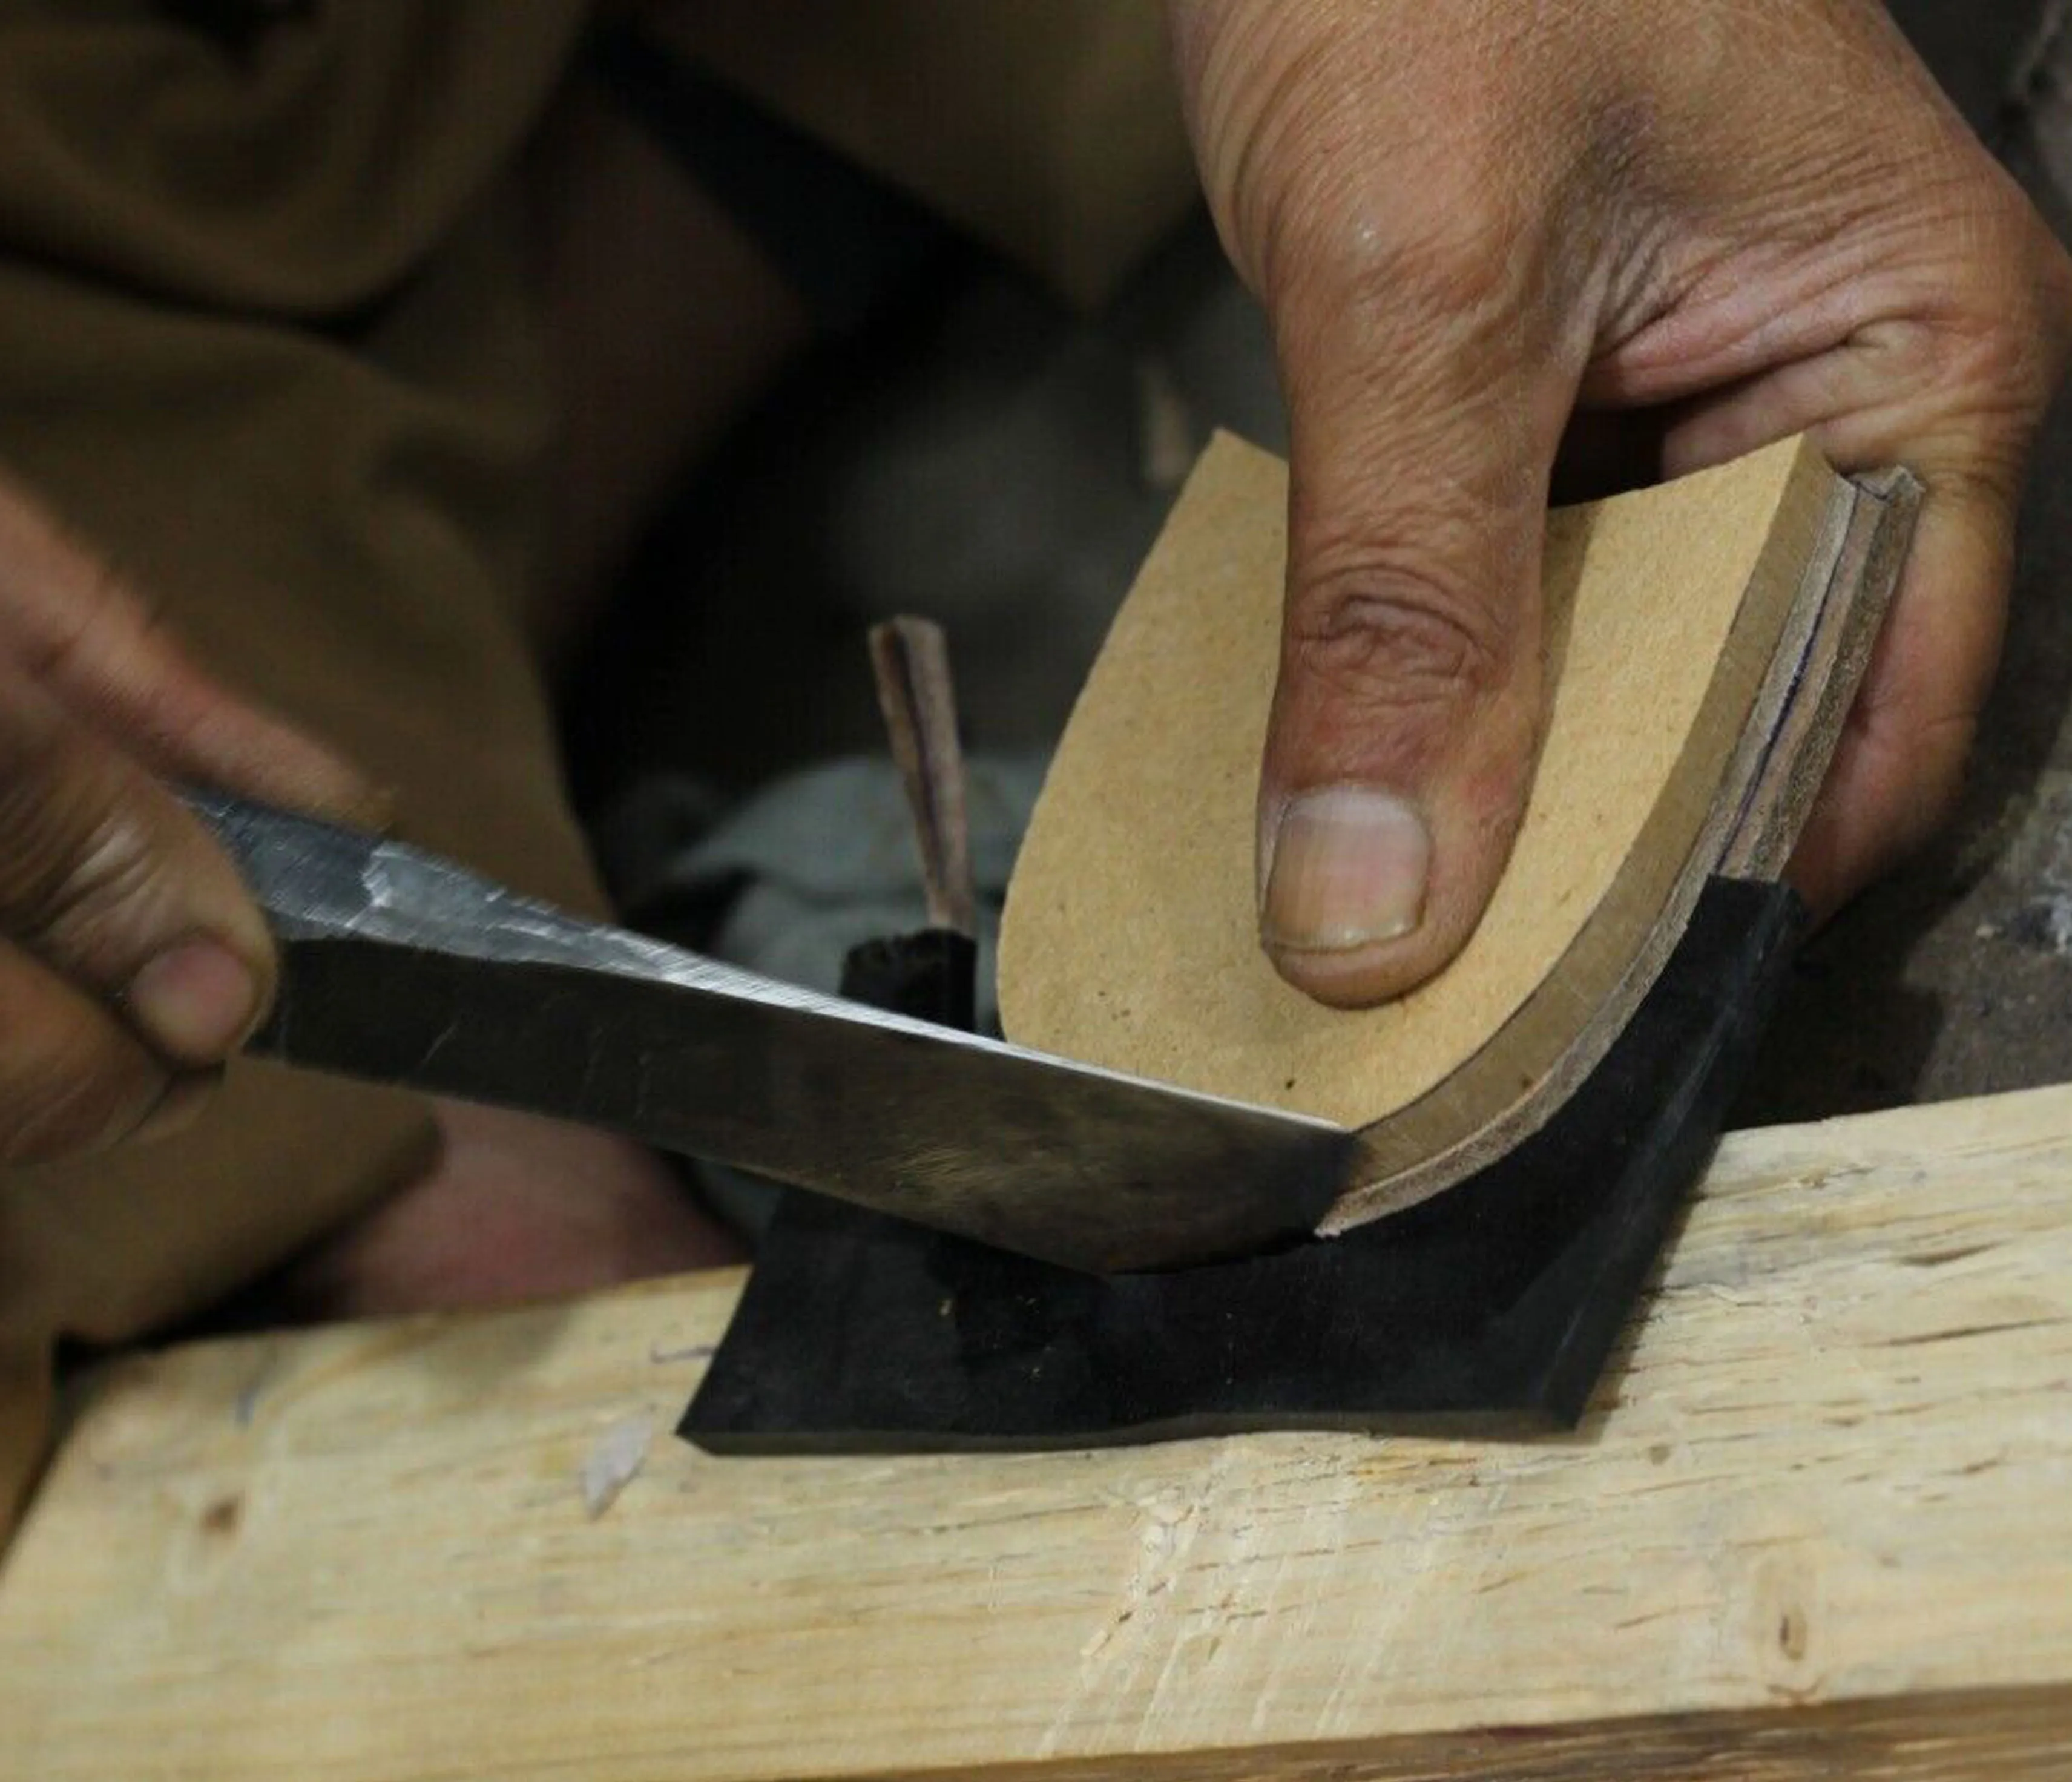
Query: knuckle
{"points": [[1391, 637], [1461, 258], [81, 872], [1464, 234], [109, 900], [1968, 357], [1469, 255]]}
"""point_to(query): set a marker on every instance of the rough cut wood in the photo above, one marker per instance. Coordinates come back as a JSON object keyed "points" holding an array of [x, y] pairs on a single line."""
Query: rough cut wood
{"points": [[1818, 1524], [1703, 637]]}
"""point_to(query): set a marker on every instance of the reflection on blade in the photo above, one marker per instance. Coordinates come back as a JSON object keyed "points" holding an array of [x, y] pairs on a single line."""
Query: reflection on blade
{"points": [[402, 967]]}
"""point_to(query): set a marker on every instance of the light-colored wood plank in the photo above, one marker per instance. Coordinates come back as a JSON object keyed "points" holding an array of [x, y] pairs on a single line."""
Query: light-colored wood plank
{"points": [[1820, 1522]]}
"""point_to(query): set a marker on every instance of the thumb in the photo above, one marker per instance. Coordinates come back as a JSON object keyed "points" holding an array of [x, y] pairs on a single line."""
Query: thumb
{"points": [[1423, 419]]}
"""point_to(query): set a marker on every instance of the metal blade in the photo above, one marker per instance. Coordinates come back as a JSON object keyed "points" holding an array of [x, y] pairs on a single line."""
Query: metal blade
{"points": [[399, 966]]}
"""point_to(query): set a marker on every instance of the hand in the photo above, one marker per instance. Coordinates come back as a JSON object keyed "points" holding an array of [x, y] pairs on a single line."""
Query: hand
{"points": [[1472, 223], [132, 962]]}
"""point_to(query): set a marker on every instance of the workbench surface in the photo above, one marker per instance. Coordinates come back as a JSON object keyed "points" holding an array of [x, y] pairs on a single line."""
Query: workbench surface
{"points": [[1819, 1520]]}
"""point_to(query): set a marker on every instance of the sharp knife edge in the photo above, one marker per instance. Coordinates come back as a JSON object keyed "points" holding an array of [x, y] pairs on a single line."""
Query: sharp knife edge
{"points": [[401, 966]]}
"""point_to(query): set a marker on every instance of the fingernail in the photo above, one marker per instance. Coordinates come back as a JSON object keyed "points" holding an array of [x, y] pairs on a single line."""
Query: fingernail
{"points": [[194, 1001], [179, 1108], [1347, 868]]}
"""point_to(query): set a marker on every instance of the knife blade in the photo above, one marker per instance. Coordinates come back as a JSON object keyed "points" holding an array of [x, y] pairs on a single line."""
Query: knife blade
{"points": [[399, 966]]}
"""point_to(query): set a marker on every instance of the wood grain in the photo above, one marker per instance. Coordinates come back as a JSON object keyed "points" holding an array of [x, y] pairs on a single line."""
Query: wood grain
{"points": [[1818, 1522]]}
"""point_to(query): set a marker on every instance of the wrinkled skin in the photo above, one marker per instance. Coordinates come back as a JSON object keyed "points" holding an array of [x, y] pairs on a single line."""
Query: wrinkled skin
{"points": [[1491, 236]]}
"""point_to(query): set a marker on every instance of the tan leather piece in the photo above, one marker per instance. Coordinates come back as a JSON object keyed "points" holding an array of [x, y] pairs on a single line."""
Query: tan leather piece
{"points": [[1675, 618]]}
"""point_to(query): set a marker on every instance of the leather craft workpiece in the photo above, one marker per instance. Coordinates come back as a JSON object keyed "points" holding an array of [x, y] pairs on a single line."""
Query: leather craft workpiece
{"points": [[1704, 640], [1565, 1079]]}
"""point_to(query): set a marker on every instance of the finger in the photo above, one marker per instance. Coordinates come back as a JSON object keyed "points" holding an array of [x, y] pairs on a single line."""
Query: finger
{"points": [[73, 1078], [81, 634], [1899, 763], [107, 879], [1959, 404], [1425, 409]]}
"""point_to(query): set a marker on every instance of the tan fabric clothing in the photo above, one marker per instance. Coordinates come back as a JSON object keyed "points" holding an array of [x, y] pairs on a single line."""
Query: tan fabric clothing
{"points": [[267, 339], [1049, 129], [268, 343]]}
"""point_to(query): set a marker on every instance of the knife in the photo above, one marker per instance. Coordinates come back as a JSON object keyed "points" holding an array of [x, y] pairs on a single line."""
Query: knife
{"points": [[399, 967]]}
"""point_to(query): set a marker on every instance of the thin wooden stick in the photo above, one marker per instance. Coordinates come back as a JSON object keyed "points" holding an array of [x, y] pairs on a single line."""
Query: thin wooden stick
{"points": [[911, 664]]}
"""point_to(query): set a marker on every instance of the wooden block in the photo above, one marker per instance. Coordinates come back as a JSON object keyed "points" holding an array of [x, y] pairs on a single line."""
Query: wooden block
{"points": [[1703, 639], [1817, 1524]]}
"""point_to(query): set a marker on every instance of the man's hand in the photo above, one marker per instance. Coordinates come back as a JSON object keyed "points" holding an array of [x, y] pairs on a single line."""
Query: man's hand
{"points": [[1480, 229], [132, 962]]}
